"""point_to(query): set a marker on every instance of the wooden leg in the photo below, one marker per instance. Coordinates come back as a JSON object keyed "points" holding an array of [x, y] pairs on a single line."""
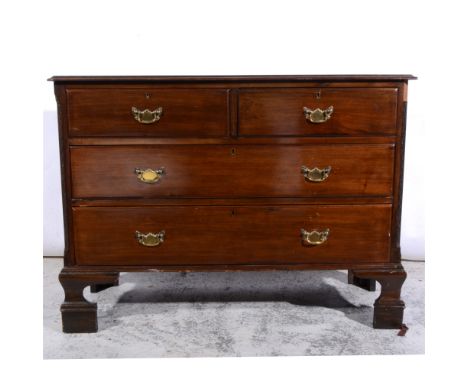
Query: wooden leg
{"points": [[388, 308], [367, 284], [78, 314]]}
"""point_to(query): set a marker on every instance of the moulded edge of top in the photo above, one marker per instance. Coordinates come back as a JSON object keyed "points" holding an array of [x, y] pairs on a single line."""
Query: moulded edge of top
{"points": [[243, 78]]}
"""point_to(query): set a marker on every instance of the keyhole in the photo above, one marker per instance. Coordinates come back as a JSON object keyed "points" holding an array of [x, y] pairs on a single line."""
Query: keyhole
{"points": [[233, 152], [318, 94], [147, 95]]}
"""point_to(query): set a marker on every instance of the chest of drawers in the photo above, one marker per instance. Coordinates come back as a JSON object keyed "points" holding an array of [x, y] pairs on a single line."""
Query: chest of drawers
{"points": [[231, 173]]}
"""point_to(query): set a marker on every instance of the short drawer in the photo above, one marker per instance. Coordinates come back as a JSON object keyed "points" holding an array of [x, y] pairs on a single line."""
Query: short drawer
{"points": [[148, 112], [326, 111], [232, 171], [179, 235]]}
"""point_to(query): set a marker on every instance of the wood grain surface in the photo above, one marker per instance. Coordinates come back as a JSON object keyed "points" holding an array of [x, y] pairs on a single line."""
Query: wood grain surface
{"points": [[232, 171], [231, 235], [356, 112], [186, 113]]}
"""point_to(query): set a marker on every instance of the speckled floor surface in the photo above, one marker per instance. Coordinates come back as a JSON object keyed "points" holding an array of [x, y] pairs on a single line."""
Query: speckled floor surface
{"points": [[233, 314]]}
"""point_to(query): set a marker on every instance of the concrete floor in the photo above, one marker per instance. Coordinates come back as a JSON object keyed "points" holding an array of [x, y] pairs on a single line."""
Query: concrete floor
{"points": [[233, 314]]}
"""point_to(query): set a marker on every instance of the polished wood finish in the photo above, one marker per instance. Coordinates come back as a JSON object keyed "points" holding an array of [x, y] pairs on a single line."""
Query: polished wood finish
{"points": [[398, 177], [382, 266], [249, 79], [367, 111], [186, 113], [78, 314], [259, 235], [233, 197], [259, 201], [232, 140], [388, 308], [62, 108], [232, 171]]}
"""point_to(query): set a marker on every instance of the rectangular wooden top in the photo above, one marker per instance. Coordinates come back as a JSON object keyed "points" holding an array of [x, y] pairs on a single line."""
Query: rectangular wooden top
{"points": [[253, 78]]}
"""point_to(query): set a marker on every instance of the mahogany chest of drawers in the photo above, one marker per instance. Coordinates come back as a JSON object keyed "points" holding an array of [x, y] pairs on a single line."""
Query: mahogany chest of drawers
{"points": [[231, 173]]}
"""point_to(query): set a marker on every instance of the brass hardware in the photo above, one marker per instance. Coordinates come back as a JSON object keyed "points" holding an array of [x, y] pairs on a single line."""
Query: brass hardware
{"points": [[149, 175], [150, 239], [318, 115], [315, 174], [314, 237], [147, 116]]}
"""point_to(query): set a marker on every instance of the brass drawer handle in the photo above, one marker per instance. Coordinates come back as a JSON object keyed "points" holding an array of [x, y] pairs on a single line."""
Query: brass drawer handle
{"points": [[315, 174], [150, 239], [318, 115], [314, 237], [147, 116], [149, 175]]}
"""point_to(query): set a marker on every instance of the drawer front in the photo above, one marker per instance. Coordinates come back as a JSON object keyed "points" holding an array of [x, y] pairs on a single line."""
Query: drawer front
{"points": [[231, 235], [170, 112], [232, 171], [356, 112]]}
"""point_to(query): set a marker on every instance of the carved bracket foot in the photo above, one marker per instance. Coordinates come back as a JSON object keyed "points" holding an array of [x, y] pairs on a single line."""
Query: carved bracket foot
{"points": [[78, 314], [388, 308]]}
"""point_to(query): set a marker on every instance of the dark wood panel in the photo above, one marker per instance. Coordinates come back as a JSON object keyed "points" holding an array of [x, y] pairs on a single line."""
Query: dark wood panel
{"points": [[232, 171], [362, 111], [399, 175], [232, 267], [113, 202], [186, 112], [231, 235], [62, 112], [272, 140], [230, 85]]}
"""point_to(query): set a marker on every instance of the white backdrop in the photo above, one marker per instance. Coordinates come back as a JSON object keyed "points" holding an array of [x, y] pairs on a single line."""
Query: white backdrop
{"points": [[280, 43]]}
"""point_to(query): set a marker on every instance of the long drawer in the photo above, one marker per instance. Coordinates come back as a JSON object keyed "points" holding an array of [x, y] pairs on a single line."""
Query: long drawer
{"points": [[232, 171], [326, 111], [231, 235], [148, 112]]}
